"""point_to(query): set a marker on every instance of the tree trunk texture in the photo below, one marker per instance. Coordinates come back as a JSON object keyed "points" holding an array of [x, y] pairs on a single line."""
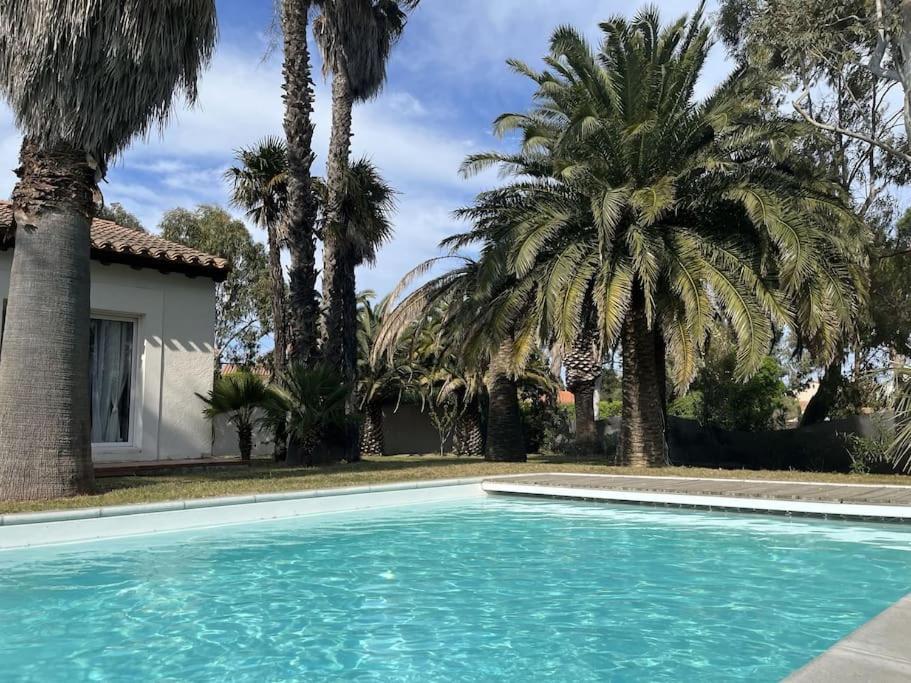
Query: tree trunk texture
{"points": [[45, 448], [303, 312], [504, 423], [339, 284], [469, 437], [245, 441], [583, 371], [642, 431], [821, 403], [371, 438], [277, 286]]}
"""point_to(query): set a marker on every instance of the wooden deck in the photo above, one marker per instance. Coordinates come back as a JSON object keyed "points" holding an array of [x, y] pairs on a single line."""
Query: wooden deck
{"points": [[132, 469], [725, 488]]}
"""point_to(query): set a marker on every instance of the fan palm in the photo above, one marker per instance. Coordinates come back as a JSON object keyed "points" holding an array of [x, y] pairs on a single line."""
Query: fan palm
{"points": [[238, 395], [311, 401], [655, 212], [355, 38], [260, 187], [82, 80], [303, 311], [365, 209]]}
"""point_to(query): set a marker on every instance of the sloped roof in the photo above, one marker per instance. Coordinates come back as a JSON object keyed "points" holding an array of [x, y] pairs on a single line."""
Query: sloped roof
{"points": [[113, 243]]}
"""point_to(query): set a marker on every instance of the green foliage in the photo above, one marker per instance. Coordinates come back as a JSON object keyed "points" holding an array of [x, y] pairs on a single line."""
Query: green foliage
{"points": [[311, 400], [242, 305], [720, 399], [871, 454], [115, 212], [260, 182], [238, 395], [625, 182], [612, 408], [367, 204]]}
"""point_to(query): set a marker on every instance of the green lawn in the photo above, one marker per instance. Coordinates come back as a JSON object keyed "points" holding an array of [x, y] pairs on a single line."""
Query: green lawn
{"points": [[264, 477]]}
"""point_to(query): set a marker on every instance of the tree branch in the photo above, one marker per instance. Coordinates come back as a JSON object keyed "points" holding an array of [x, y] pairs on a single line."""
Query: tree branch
{"points": [[875, 65], [844, 131]]}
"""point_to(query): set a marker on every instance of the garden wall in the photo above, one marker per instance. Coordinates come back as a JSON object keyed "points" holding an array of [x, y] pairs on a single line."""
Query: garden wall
{"points": [[819, 447]]}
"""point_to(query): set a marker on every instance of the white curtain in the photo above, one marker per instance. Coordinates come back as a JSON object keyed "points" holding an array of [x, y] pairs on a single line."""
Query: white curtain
{"points": [[111, 368]]}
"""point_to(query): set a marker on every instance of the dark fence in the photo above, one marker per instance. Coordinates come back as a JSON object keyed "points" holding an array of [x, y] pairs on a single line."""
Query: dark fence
{"points": [[820, 448]]}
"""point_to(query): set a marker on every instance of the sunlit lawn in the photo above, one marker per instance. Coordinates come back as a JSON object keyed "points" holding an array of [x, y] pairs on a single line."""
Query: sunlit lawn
{"points": [[264, 477]]}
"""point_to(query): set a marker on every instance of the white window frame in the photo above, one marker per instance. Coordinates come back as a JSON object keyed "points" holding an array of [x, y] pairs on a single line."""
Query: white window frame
{"points": [[132, 443]]}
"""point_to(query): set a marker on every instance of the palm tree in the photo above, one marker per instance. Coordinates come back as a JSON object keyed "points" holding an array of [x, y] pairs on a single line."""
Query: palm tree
{"points": [[260, 187], [467, 303], [82, 79], [654, 212], [311, 400], [582, 362], [355, 38], [239, 396], [365, 210], [303, 312], [379, 380]]}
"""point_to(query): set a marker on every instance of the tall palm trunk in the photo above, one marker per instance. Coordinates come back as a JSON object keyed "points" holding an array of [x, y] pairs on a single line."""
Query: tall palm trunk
{"points": [[45, 451], [298, 86], [642, 431], [279, 330], [469, 437], [504, 422], [583, 370], [339, 285], [371, 438], [821, 403]]}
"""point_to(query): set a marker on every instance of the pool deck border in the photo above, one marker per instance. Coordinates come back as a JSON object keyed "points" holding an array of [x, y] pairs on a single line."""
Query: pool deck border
{"points": [[880, 512], [877, 651]]}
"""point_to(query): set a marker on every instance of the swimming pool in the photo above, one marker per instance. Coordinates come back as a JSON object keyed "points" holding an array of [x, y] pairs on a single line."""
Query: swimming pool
{"points": [[484, 589]]}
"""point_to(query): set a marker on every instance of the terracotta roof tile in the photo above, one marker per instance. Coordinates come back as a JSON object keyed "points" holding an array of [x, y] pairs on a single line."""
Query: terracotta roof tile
{"points": [[140, 248]]}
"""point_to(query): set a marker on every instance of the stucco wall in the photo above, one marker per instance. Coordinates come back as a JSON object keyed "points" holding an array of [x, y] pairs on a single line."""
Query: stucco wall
{"points": [[175, 322]]}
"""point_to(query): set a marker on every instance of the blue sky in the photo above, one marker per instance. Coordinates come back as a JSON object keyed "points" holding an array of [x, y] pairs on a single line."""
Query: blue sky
{"points": [[447, 82]]}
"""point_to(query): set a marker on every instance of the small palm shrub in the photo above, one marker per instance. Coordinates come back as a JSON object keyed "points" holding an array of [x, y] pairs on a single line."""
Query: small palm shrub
{"points": [[238, 395], [312, 401]]}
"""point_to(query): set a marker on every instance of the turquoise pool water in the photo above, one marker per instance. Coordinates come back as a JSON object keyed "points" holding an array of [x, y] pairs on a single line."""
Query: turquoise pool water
{"points": [[482, 590]]}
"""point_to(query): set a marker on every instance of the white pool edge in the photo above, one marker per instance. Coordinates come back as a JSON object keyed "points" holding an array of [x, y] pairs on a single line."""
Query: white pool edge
{"points": [[26, 530], [761, 505]]}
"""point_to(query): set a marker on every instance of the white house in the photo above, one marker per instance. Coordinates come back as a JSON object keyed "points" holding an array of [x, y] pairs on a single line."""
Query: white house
{"points": [[152, 342]]}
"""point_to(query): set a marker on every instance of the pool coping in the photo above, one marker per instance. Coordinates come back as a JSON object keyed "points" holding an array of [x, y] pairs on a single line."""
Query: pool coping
{"points": [[877, 651], [828, 510], [20, 518]]}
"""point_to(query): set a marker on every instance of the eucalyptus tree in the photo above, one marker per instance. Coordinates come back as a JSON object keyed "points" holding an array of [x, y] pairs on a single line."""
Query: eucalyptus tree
{"points": [[303, 310], [355, 38], [82, 80], [260, 187], [662, 211]]}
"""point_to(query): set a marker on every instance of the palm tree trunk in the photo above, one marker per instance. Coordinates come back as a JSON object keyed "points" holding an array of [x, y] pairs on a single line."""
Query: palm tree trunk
{"points": [[245, 441], [469, 437], [277, 283], [642, 431], [583, 370], [504, 422], [371, 439], [820, 404], [303, 311], [45, 449], [339, 284]]}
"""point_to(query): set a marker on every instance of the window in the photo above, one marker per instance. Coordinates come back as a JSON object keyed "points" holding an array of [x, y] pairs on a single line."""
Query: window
{"points": [[111, 379]]}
